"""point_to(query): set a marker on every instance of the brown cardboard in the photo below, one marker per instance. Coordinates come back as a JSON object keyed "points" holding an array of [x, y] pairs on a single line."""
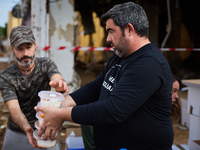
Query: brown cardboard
{"points": [[183, 95], [74, 138], [77, 131], [193, 81], [69, 124]]}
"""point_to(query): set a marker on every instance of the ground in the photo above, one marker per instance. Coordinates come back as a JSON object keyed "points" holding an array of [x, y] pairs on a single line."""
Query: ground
{"points": [[87, 75]]}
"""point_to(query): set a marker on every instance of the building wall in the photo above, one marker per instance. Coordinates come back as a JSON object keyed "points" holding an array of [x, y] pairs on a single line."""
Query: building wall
{"points": [[61, 33], [94, 40], [52, 24], [12, 22]]}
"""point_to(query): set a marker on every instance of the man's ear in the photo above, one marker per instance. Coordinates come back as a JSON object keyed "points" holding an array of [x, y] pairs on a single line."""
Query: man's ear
{"points": [[11, 49], [130, 28]]}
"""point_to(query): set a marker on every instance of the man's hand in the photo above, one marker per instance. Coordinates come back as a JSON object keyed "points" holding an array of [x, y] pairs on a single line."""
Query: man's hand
{"points": [[53, 120], [60, 85], [20, 120], [29, 133]]}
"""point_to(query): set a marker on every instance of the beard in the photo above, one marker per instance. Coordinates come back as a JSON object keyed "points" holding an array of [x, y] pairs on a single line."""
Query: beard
{"points": [[122, 48], [25, 63]]}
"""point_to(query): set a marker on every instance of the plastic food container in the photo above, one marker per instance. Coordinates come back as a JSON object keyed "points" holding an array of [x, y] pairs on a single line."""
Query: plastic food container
{"points": [[44, 143], [50, 98], [37, 125], [61, 106], [40, 119], [38, 104]]}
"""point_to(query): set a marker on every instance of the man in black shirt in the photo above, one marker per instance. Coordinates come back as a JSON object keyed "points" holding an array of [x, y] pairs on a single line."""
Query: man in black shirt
{"points": [[20, 84], [129, 103]]}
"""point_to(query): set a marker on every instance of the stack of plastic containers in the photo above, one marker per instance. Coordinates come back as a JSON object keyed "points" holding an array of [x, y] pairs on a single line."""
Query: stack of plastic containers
{"points": [[48, 99]]}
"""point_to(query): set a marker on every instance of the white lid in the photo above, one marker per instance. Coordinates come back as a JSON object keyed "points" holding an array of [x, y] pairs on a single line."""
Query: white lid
{"points": [[51, 95]]}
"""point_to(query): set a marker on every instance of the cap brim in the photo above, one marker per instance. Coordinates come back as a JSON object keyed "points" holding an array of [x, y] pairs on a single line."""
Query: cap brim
{"points": [[22, 41]]}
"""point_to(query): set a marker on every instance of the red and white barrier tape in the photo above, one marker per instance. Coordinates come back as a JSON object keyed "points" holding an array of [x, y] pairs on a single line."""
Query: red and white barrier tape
{"points": [[47, 48], [180, 49]]}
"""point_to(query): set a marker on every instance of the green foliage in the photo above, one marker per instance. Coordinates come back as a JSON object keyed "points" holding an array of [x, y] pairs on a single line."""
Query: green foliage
{"points": [[2, 33]]}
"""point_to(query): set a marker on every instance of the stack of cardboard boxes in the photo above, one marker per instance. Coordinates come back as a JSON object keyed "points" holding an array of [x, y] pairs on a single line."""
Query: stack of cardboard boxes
{"points": [[193, 110], [74, 140]]}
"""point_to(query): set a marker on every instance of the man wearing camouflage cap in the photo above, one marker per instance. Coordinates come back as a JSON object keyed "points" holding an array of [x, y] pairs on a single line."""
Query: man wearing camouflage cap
{"points": [[19, 86]]}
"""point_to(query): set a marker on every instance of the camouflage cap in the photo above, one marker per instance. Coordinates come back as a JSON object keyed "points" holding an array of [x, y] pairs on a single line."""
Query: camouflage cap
{"points": [[20, 35]]}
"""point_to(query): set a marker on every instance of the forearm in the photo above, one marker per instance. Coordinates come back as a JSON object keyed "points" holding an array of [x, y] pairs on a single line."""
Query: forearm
{"points": [[68, 102], [57, 76], [66, 114], [17, 115], [20, 120]]}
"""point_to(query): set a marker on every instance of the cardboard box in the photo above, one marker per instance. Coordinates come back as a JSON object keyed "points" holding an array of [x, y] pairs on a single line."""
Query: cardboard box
{"points": [[185, 116], [74, 140], [194, 144], [193, 108], [194, 132], [69, 124], [183, 97], [193, 96], [77, 131]]}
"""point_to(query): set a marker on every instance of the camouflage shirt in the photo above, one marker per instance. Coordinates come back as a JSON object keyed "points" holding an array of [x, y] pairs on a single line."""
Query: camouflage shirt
{"points": [[25, 88]]}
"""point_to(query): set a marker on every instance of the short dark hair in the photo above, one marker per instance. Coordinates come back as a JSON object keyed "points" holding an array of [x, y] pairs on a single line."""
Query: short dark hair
{"points": [[175, 78], [129, 12]]}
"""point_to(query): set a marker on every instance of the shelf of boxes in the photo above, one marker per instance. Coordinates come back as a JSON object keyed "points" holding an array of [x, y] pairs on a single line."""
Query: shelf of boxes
{"points": [[193, 109]]}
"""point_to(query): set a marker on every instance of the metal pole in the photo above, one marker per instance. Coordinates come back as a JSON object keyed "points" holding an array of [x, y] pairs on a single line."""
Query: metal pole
{"points": [[170, 24]]}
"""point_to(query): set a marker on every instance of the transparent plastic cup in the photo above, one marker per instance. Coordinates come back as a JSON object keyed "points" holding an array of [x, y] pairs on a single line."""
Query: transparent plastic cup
{"points": [[50, 98], [44, 143]]}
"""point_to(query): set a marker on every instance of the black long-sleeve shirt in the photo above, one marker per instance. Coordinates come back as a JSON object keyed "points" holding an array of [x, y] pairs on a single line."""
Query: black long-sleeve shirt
{"points": [[129, 104]]}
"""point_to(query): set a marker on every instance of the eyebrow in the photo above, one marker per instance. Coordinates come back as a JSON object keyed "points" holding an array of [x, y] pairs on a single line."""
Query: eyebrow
{"points": [[109, 29], [27, 44]]}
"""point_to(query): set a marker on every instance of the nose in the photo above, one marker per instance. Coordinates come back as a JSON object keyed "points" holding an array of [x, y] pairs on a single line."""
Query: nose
{"points": [[108, 39], [176, 95], [25, 52]]}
